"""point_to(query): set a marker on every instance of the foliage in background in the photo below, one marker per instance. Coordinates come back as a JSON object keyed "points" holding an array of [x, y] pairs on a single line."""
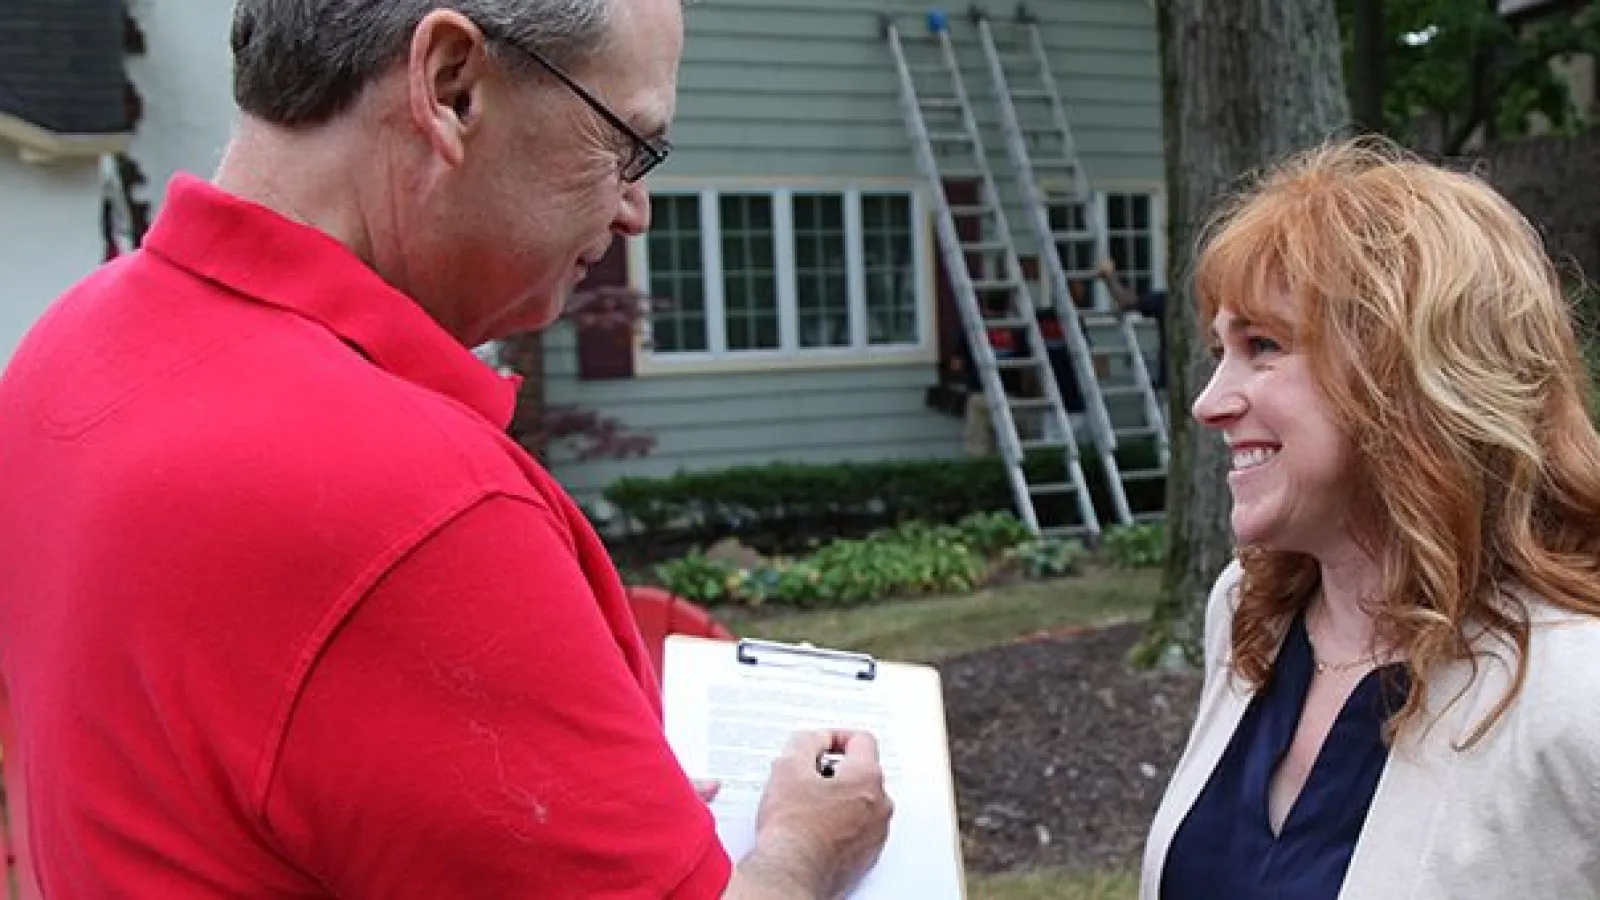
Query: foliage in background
{"points": [[1451, 67], [1136, 546], [909, 559], [583, 433], [784, 507]]}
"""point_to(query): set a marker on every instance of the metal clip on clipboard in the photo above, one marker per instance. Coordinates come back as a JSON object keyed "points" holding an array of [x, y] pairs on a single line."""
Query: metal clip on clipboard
{"points": [[861, 666]]}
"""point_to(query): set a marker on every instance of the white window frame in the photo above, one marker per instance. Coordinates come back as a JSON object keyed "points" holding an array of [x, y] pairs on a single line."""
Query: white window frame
{"points": [[1102, 248], [789, 354]]}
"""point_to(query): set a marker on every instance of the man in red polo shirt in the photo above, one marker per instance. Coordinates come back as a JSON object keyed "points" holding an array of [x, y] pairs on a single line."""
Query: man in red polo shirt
{"points": [[284, 613]]}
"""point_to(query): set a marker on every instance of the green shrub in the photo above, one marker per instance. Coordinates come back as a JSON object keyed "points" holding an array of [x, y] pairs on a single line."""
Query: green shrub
{"points": [[699, 578], [1048, 557], [1136, 546], [993, 533], [909, 559], [788, 507]]}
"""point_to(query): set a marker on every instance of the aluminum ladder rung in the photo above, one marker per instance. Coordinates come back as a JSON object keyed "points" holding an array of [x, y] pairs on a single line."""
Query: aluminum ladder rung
{"points": [[1030, 402], [1100, 320], [1050, 443], [983, 246], [1048, 488], [1137, 431], [1018, 362], [1004, 322], [989, 286], [969, 211], [950, 137], [1143, 474]]}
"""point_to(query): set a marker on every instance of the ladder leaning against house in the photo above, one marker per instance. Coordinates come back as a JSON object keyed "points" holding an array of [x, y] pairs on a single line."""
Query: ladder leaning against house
{"points": [[986, 277], [1059, 164], [1052, 193]]}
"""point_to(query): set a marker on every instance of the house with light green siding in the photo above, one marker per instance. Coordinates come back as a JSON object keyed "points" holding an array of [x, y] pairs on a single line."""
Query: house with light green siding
{"points": [[805, 317]]}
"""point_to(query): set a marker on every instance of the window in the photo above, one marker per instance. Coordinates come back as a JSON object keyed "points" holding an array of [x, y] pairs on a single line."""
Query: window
{"points": [[822, 270], [784, 273], [1133, 236], [749, 272], [679, 273]]}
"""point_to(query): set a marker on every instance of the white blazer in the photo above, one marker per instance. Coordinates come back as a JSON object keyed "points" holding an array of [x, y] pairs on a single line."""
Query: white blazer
{"points": [[1516, 817]]}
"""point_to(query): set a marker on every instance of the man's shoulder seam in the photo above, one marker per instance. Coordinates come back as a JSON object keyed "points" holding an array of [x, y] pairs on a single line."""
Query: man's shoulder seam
{"points": [[346, 605]]}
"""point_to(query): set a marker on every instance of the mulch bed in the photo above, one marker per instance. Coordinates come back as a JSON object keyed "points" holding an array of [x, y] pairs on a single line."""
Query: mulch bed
{"points": [[1061, 749]]}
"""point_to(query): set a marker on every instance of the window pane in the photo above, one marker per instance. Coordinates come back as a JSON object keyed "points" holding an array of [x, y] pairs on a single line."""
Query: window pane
{"points": [[822, 292], [1116, 212], [677, 321], [749, 280], [1132, 238], [888, 257]]}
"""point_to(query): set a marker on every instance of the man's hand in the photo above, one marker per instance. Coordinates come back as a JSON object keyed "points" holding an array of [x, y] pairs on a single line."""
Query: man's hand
{"points": [[816, 836], [1106, 268]]}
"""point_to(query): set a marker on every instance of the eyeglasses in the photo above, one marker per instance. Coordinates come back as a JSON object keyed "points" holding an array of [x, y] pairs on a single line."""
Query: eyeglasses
{"points": [[646, 153]]}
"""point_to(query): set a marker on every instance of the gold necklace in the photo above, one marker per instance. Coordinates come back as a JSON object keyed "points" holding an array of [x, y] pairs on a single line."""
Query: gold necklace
{"points": [[1370, 660]]}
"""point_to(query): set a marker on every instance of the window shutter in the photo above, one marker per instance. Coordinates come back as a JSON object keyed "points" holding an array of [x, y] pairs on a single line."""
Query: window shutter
{"points": [[947, 315], [605, 329]]}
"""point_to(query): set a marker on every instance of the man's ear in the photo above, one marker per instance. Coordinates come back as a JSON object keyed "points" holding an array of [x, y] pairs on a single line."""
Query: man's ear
{"points": [[445, 74]]}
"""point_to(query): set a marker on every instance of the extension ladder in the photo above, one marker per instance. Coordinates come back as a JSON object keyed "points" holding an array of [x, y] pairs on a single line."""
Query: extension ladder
{"points": [[1055, 188], [986, 277]]}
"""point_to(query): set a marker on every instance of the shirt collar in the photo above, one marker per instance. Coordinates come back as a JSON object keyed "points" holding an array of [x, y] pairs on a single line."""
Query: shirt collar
{"points": [[256, 252]]}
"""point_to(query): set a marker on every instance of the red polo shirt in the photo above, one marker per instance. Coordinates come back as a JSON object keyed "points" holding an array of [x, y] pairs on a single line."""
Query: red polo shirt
{"points": [[283, 613]]}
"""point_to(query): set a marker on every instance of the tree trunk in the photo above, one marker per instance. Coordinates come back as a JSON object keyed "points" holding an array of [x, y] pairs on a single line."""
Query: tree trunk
{"points": [[1244, 82], [1369, 45]]}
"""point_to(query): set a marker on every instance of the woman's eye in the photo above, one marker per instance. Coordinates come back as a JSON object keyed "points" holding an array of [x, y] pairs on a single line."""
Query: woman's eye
{"points": [[1259, 345]]}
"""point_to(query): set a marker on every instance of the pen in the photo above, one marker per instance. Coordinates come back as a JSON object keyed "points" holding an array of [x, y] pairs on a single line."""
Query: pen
{"points": [[827, 762]]}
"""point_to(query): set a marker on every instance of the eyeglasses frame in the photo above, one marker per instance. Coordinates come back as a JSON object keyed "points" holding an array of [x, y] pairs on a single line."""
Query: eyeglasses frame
{"points": [[647, 153]]}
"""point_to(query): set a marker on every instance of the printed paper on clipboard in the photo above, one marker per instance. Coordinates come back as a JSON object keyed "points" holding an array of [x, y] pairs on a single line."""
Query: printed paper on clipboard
{"points": [[731, 707]]}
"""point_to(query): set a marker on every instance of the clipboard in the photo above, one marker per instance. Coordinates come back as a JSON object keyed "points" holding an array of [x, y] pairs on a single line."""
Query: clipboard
{"points": [[731, 706]]}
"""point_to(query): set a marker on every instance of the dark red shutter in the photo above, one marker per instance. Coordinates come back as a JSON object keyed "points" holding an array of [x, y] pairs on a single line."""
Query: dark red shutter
{"points": [[947, 315], [604, 323]]}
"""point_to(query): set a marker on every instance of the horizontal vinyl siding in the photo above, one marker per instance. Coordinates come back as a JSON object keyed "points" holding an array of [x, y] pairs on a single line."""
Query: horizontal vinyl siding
{"points": [[744, 418], [808, 88]]}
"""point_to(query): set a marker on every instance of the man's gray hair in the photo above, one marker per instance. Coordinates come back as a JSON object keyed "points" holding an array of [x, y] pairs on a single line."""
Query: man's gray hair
{"points": [[301, 62]]}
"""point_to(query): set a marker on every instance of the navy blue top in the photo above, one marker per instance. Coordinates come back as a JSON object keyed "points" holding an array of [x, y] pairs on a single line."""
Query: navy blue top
{"points": [[1225, 847]]}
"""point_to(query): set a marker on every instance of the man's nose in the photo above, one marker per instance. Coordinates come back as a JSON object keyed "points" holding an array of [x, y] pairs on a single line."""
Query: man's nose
{"points": [[633, 216]]}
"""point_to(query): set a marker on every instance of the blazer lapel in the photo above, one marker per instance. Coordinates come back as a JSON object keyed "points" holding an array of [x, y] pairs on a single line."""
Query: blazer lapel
{"points": [[1390, 856]]}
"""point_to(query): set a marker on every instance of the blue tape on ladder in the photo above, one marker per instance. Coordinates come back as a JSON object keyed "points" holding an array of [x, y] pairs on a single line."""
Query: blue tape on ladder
{"points": [[936, 21]]}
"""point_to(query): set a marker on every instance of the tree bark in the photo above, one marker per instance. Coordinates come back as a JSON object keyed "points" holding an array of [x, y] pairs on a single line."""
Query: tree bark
{"points": [[1245, 82]]}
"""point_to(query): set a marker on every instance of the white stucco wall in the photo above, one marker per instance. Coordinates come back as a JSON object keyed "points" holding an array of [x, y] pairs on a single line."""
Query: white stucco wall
{"points": [[185, 77], [49, 237]]}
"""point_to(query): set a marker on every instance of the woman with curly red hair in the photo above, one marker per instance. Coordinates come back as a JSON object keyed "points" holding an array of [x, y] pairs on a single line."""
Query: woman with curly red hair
{"points": [[1403, 663]]}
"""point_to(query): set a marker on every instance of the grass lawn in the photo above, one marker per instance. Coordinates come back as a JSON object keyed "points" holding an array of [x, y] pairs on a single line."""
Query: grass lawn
{"points": [[939, 627], [935, 628]]}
